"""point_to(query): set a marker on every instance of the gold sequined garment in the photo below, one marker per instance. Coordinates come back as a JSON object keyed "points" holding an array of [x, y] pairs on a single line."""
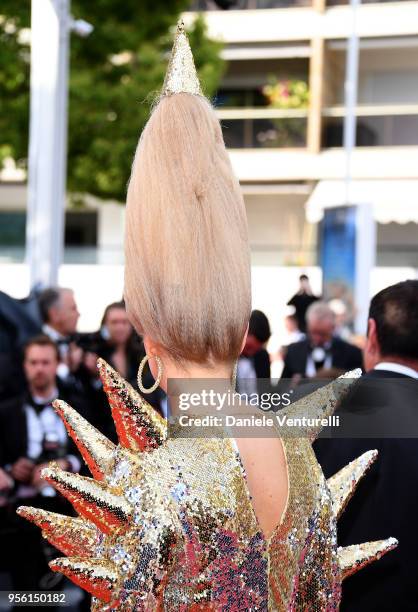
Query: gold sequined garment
{"points": [[168, 523]]}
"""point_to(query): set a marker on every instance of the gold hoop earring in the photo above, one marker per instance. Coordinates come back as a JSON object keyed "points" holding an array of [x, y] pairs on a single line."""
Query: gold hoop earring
{"points": [[234, 376], [141, 369]]}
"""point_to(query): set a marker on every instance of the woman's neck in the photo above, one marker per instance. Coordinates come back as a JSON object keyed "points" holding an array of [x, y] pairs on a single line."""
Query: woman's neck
{"points": [[196, 382]]}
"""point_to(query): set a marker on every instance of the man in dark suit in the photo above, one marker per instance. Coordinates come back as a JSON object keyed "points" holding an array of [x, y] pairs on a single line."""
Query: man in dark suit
{"points": [[32, 435], [381, 412], [19, 320], [59, 313], [321, 349]]}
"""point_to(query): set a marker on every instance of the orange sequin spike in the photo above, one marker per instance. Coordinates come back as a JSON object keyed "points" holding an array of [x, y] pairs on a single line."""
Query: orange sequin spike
{"points": [[138, 425], [91, 499], [95, 576], [72, 536]]}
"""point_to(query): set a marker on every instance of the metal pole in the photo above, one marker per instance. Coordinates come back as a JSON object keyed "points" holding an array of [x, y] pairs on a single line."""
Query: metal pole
{"points": [[47, 139], [365, 224], [350, 87]]}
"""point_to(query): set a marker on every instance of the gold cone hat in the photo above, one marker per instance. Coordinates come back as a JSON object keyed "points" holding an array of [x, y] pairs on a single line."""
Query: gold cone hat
{"points": [[181, 73]]}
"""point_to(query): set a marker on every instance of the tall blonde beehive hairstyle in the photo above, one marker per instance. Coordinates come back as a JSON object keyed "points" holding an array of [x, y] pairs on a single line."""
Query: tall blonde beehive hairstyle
{"points": [[187, 263]]}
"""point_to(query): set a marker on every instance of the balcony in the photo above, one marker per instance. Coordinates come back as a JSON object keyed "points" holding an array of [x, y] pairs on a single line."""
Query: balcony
{"points": [[339, 2], [211, 5], [272, 113], [258, 128], [267, 128], [377, 126], [298, 22]]}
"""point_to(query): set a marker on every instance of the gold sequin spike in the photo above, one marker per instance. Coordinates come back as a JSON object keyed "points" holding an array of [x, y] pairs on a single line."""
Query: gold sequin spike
{"points": [[181, 73], [96, 450], [343, 484], [95, 576], [138, 425], [72, 536], [321, 403], [353, 558], [91, 499]]}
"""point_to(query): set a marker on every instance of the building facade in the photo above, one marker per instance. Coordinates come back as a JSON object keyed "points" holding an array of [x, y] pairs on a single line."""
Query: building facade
{"points": [[281, 106], [290, 161]]}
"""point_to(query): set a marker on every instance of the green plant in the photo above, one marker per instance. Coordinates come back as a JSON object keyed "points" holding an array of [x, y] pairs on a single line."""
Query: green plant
{"points": [[114, 76], [287, 93]]}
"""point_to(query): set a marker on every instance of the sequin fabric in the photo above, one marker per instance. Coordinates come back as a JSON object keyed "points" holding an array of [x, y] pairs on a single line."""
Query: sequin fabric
{"points": [[181, 76], [168, 523], [303, 555]]}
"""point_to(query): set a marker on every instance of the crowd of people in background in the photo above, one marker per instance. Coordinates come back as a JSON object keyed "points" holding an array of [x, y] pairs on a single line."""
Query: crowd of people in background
{"points": [[43, 357], [316, 345], [52, 360]]}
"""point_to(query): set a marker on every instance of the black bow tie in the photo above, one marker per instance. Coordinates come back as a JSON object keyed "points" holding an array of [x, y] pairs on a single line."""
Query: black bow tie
{"points": [[38, 406]]}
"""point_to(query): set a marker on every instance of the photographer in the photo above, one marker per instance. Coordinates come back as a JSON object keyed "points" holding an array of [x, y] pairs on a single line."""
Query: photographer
{"points": [[32, 435]]}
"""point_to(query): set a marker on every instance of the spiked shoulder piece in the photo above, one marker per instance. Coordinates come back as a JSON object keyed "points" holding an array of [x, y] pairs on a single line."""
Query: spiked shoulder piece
{"points": [[166, 523]]}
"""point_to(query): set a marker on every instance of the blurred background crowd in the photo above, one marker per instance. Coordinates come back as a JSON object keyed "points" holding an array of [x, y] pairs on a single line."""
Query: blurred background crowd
{"points": [[44, 357]]}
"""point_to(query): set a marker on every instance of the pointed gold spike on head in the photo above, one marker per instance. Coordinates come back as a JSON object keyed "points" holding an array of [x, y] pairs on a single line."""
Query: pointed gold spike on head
{"points": [[95, 576], [181, 73], [93, 500], [138, 425], [353, 558], [342, 485], [96, 450], [72, 536]]}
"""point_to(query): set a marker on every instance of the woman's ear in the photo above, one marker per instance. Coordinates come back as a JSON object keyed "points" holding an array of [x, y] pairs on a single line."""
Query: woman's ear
{"points": [[371, 352], [244, 340], [150, 346]]}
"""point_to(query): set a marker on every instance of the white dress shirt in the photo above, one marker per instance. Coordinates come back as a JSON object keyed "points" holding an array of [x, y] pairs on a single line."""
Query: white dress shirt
{"points": [[38, 425], [391, 366], [310, 371], [63, 371]]}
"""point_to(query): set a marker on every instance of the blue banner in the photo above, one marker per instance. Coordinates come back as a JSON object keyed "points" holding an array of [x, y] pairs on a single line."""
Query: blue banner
{"points": [[338, 255]]}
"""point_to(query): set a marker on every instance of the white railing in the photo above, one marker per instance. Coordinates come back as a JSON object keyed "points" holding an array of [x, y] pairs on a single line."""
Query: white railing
{"points": [[261, 113], [373, 110]]}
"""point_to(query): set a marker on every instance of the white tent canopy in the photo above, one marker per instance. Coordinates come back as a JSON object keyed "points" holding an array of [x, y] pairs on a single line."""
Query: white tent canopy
{"points": [[392, 200]]}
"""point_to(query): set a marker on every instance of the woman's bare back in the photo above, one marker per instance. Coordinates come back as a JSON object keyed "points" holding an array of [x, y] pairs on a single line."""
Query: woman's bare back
{"points": [[264, 462]]}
